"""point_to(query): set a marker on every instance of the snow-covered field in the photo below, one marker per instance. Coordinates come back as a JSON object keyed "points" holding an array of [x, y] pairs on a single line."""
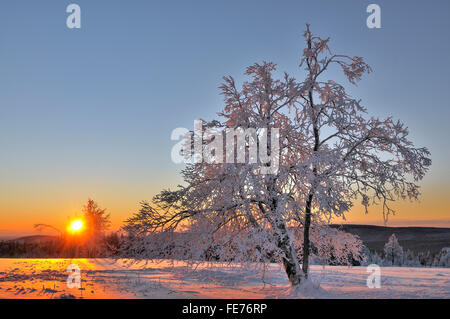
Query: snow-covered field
{"points": [[104, 278]]}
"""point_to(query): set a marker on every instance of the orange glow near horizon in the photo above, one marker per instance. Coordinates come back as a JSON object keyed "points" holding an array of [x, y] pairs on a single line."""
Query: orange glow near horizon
{"points": [[17, 216]]}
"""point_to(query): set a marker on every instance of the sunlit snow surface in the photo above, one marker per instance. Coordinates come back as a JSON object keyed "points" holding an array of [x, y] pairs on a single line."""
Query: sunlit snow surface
{"points": [[105, 278]]}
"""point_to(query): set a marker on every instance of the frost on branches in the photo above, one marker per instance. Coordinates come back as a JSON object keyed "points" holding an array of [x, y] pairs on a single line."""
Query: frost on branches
{"points": [[331, 155]]}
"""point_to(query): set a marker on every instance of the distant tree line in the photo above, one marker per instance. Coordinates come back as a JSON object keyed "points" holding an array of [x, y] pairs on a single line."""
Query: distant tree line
{"points": [[394, 255]]}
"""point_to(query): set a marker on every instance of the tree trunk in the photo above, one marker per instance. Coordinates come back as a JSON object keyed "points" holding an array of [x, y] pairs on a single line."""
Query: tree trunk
{"points": [[292, 270], [284, 242], [306, 241], [290, 260]]}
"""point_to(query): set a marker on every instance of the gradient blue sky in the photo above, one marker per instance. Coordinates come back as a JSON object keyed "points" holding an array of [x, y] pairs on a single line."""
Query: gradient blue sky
{"points": [[88, 113]]}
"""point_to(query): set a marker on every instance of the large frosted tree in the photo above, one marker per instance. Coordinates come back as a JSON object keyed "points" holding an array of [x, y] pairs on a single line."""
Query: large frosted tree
{"points": [[331, 154]]}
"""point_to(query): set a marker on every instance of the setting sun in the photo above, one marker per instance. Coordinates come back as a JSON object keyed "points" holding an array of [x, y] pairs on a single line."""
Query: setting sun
{"points": [[76, 226]]}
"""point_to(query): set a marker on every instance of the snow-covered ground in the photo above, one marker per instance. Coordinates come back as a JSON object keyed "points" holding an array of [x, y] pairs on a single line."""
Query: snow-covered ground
{"points": [[104, 278]]}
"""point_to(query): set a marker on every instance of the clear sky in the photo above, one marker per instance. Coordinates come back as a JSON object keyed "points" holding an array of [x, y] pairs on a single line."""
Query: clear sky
{"points": [[89, 112]]}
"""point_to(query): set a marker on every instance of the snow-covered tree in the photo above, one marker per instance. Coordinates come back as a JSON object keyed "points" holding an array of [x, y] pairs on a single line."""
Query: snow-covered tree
{"points": [[376, 259], [410, 259], [336, 247], [393, 252], [444, 257], [331, 154], [97, 223], [441, 259], [425, 259]]}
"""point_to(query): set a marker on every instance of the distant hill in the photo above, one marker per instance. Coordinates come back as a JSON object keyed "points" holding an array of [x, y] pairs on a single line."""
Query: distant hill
{"points": [[417, 239], [34, 239]]}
